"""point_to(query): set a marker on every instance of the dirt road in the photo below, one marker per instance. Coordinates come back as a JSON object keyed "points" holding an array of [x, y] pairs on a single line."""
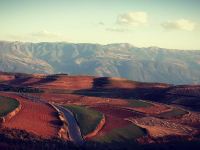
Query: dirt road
{"points": [[74, 130]]}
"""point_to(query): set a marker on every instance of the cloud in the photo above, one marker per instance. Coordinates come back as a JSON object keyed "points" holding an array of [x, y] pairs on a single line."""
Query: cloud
{"points": [[133, 18], [181, 24], [101, 23], [116, 29], [39, 36], [45, 34]]}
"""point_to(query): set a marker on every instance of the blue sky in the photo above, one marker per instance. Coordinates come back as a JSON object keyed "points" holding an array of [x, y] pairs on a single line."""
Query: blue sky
{"points": [[143, 23]]}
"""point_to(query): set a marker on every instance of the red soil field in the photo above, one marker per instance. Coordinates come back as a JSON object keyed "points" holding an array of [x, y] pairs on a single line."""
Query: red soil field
{"points": [[37, 118], [113, 82], [6, 77], [79, 99], [116, 111], [51, 81], [114, 117], [62, 82], [189, 90], [153, 110], [78, 82], [112, 123]]}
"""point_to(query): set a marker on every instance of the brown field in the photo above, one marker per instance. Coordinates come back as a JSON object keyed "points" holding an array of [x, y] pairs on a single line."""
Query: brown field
{"points": [[80, 99], [116, 111], [160, 128], [192, 119], [84, 82], [115, 117], [6, 77], [152, 110], [114, 82], [189, 90], [55, 82], [37, 118]]}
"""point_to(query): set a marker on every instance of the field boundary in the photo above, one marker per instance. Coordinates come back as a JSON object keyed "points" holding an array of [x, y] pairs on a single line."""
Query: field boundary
{"points": [[63, 132], [11, 114], [97, 129]]}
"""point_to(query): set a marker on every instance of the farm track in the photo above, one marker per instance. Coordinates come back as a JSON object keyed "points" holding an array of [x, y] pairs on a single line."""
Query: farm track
{"points": [[74, 130]]}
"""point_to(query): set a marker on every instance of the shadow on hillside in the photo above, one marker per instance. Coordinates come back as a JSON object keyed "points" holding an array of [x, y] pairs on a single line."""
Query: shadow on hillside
{"points": [[101, 88], [21, 80], [47, 79], [100, 82]]}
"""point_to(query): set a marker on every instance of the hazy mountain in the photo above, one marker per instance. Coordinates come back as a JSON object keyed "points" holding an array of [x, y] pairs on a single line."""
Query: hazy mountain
{"points": [[151, 64]]}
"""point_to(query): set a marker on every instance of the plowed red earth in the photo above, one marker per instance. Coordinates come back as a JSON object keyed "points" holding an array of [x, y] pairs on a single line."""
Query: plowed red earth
{"points": [[59, 82], [155, 109], [116, 111], [78, 82], [6, 78], [37, 118], [80, 100], [112, 123], [114, 117]]}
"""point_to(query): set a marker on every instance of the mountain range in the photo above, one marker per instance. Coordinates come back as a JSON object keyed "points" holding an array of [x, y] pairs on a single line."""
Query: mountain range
{"points": [[151, 64]]}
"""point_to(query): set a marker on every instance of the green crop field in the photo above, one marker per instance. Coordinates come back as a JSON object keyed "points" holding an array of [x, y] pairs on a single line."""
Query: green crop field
{"points": [[87, 118], [173, 113], [7, 105], [138, 103], [130, 132]]}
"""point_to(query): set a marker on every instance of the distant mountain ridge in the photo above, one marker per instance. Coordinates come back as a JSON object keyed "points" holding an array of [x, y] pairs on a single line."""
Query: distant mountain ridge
{"points": [[151, 64]]}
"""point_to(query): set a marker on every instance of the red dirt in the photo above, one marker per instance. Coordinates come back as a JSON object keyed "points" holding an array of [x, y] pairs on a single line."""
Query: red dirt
{"points": [[34, 117], [112, 123], [6, 77], [80, 100], [78, 82], [187, 90], [63, 82], [152, 110], [115, 82], [116, 111], [114, 117]]}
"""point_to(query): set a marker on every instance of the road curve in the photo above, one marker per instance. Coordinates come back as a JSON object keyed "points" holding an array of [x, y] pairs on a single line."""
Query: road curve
{"points": [[74, 130]]}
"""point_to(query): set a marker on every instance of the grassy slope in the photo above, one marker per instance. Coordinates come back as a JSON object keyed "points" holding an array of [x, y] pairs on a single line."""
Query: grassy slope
{"points": [[7, 105], [138, 103], [173, 113], [130, 132], [87, 118]]}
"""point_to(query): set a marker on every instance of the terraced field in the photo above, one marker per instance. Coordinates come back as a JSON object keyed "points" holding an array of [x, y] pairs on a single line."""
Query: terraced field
{"points": [[148, 108], [33, 117], [87, 118], [160, 127], [116, 119], [7, 105]]}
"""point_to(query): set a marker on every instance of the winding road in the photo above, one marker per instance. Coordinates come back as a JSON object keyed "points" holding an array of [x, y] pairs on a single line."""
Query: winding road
{"points": [[74, 130]]}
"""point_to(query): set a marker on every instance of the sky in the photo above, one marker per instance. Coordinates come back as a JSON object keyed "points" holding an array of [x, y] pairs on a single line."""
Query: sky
{"points": [[173, 24]]}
